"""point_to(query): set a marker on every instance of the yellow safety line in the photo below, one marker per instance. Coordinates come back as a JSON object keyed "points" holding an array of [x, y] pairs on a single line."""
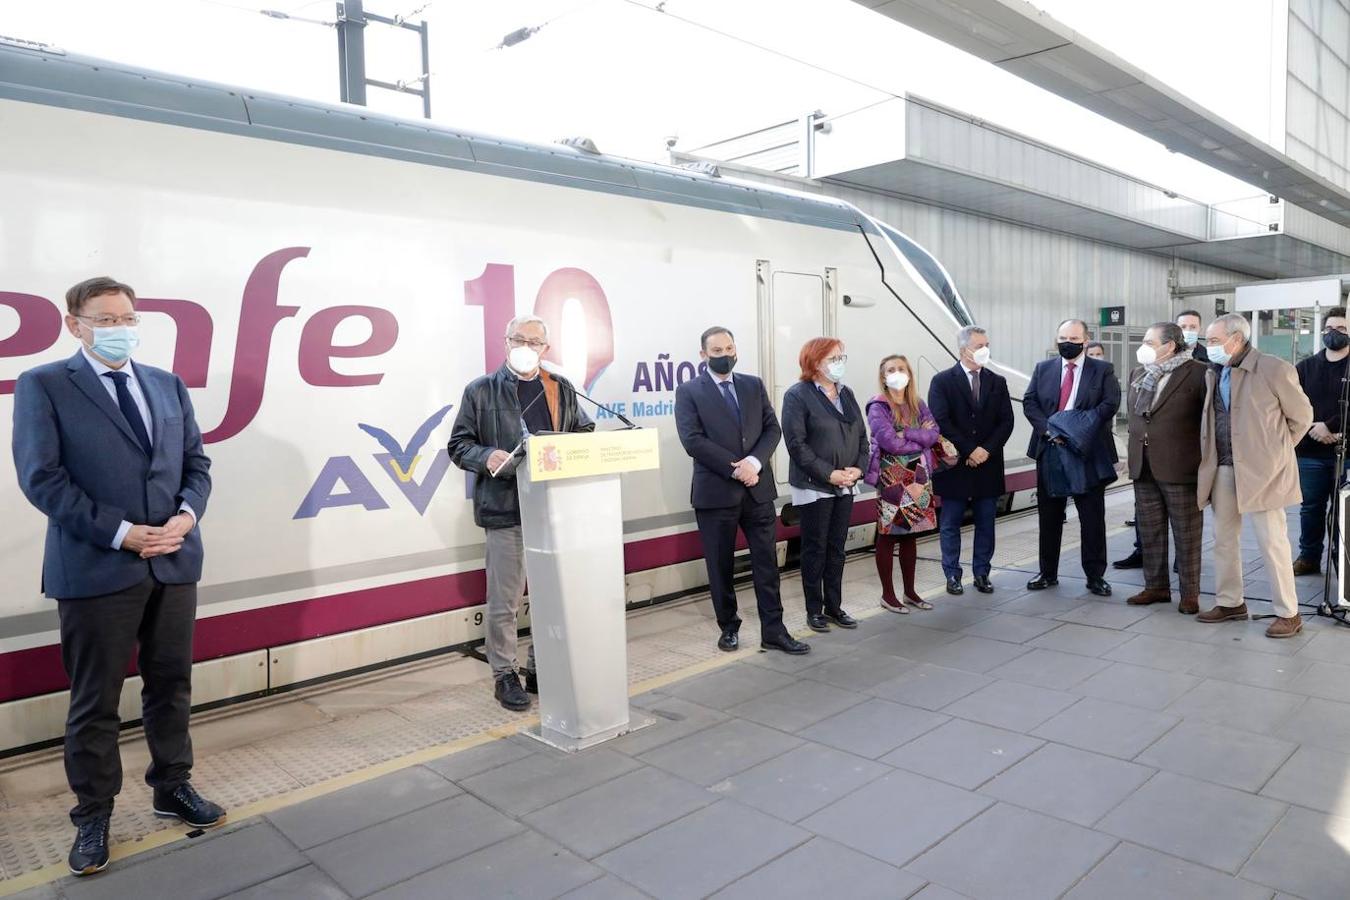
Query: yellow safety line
{"points": [[157, 839]]}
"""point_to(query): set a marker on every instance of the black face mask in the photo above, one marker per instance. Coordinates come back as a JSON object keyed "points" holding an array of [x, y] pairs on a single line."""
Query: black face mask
{"points": [[1069, 350], [1334, 341], [722, 365]]}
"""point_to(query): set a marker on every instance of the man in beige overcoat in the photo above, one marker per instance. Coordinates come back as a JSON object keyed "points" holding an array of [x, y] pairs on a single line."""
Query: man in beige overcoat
{"points": [[1255, 412]]}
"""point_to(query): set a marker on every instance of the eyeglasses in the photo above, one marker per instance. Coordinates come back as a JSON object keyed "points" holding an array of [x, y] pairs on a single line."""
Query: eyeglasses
{"points": [[130, 319], [841, 358], [517, 340]]}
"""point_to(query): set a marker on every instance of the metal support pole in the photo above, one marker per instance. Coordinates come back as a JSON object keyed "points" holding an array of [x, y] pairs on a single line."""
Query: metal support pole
{"points": [[351, 24]]}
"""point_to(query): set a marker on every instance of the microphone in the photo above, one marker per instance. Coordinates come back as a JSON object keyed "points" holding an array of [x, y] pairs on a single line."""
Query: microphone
{"points": [[555, 370], [524, 433]]}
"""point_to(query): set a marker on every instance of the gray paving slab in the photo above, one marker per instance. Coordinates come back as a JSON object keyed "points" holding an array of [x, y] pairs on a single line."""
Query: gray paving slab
{"points": [[1105, 614], [470, 762], [873, 728], [1052, 669], [1328, 645], [607, 888], [905, 638], [716, 753], [1042, 603], [949, 616], [859, 671], [1011, 627], [1220, 754], [897, 817], [971, 654], [1011, 852], [1085, 640], [930, 687], [938, 892], [1195, 820], [1137, 686], [822, 868], [703, 852], [207, 867], [536, 781], [1105, 727], [801, 781], [1315, 778], [303, 884], [674, 719], [1131, 872], [725, 687], [1011, 705], [1306, 855], [1238, 706], [382, 855], [798, 705], [794, 664], [1319, 723], [1251, 635], [1164, 653], [351, 809], [1322, 679], [527, 866], [1262, 670], [966, 754], [1069, 783], [618, 811]]}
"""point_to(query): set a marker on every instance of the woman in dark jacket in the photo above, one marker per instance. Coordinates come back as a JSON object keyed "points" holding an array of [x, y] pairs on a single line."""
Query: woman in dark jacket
{"points": [[827, 447]]}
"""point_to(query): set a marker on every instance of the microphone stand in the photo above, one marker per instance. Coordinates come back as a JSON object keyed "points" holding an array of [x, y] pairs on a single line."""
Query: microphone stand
{"points": [[1327, 609]]}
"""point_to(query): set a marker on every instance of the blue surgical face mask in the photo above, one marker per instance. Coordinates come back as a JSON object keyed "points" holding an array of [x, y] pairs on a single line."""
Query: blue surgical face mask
{"points": [[835, 371], [1218, 355], [1191, 337], [115, 343]]}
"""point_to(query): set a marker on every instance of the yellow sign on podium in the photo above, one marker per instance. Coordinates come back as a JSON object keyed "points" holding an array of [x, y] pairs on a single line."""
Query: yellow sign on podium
{"points": [[581, 454]]}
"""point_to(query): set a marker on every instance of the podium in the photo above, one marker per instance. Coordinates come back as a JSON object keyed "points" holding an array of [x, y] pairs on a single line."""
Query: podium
{"points": [[572, 526]]}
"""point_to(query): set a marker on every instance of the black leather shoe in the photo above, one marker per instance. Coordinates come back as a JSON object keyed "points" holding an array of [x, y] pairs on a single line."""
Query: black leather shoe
{"points": [[89, 853], [531, 681], [842, 619], [983, 585], [787, 643], [1134, 561], [1099, 587], [183, 802], [1041, 582], [510, 694], [728, 641], [817, 623], [954, 586]]}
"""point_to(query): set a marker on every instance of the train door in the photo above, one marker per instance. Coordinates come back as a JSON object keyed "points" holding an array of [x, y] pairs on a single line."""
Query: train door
{"points": [[793, 307]]}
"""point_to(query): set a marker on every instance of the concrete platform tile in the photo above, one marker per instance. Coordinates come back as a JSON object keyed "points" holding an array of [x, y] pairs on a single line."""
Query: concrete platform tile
{"points": [[1137, 686], [1011, 627], [930, 687], [859, 671], [1316, 778], [962, 753], [971, 654], [1306, 855], [1068, 783], [675, 718], [1237, 706], [527, 866], [607, 888], [474, 760], [1105, 727], [822, 868], [1131, 872], [342, 812], [725, 687], [798, 705], [1011, 705], [1105, 614], [873, 728], [716, 753], [801, 781], [302, 884], [1320, 723], [1052, 669], [546, 777], [1166, 653], [1219, 754], [1085, 640], [1263, 670], [949, 615]]}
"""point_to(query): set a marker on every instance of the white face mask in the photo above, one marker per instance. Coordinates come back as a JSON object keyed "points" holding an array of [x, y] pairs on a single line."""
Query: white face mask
{"points": [[523, 360], [897, 381], [1191, 337], [1146, 355], [980, 357], [835, 372]]}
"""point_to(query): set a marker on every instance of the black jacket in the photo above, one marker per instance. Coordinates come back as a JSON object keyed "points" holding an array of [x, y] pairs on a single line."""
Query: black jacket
{"points": [[710, 436], [966, 427], [819, 439], [489, 419], [1098, 390], [1321, 382]]}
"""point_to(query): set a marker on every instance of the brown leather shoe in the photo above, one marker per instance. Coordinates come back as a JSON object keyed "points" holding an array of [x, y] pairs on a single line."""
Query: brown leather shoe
{"points": [[1189, 606], [1283, 628], [1306, 567], [1150, 595], [1223, 614]]}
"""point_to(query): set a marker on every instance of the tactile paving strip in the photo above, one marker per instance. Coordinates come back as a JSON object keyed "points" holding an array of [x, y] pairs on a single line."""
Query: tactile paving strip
{"points": [[36, 833]]}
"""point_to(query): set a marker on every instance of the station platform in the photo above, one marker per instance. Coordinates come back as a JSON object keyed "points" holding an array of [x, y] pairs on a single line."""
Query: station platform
{"points": [[1013, 745]]}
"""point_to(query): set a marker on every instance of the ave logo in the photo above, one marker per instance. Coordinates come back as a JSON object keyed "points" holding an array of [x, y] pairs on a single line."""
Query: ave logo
{"points": [[342, 483]]}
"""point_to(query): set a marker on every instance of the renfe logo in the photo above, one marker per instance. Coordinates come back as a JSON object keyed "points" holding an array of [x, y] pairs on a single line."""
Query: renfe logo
{"points": [[260, 312]]}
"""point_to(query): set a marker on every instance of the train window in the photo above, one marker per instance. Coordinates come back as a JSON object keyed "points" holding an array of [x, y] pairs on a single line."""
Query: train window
{"points": [[932, 273]]}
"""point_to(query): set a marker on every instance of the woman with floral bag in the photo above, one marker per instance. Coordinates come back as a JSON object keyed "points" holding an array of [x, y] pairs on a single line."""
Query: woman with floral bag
{"points": [[906, 449]]}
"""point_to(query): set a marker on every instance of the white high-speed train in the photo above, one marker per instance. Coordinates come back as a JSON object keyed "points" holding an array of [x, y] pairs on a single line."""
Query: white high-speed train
{"points": [[326, 280]]}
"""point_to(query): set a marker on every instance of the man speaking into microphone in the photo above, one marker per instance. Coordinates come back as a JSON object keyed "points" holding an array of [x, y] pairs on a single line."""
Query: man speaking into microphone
{"points": [[497, 412]]}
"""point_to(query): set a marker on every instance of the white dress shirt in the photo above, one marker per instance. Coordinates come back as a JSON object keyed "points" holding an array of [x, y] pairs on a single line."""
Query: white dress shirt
{"points": [[138, 396], [1077, 377], [729, 379]]}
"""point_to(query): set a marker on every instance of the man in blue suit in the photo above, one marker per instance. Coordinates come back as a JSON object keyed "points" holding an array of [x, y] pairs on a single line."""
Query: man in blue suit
{"points": [[1072, 381], [111, 453], [727, 425]]}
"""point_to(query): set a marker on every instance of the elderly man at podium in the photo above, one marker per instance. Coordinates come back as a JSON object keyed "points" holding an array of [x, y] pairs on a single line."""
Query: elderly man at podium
{"points": [[494, 416], [727, 425]]}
